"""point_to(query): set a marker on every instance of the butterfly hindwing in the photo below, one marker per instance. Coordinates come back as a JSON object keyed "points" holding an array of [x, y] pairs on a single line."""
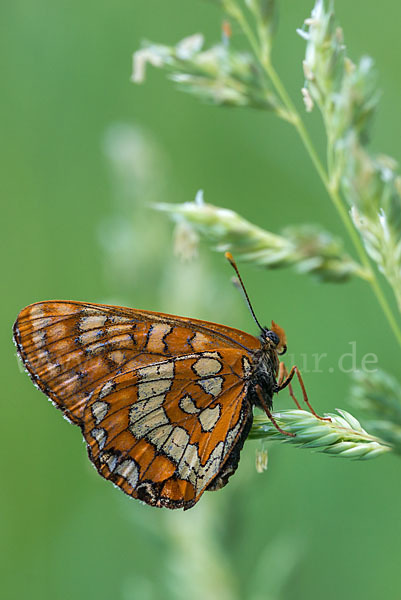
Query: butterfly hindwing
{"points": [[164, 432]]}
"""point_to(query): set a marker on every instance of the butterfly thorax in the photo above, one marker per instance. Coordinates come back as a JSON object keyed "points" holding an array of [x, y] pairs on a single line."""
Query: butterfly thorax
{"points": [[265, 365]]}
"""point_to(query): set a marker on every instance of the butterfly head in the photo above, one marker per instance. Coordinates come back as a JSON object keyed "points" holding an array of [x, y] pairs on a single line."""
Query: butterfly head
{"points": [[276, 335]]}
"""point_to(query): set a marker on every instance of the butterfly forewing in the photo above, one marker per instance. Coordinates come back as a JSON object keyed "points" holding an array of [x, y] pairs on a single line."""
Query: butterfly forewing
{"points": [[161, 399]]}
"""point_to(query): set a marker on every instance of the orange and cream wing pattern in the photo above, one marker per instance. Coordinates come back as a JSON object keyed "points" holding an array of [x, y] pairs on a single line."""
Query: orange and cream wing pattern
{"points": [[71, 348], [164, 432], [161, 400]]}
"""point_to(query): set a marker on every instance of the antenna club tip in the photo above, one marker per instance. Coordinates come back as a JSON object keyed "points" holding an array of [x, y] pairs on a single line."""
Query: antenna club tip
{"points": [[229, 257]]}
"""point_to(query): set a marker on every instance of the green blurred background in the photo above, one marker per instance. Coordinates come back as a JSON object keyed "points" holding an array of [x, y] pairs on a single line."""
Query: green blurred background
{"points": [[84, 154]]}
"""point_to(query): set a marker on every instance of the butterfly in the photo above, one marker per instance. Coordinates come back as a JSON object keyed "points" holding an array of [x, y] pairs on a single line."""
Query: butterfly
{"points": [[164, 403]]}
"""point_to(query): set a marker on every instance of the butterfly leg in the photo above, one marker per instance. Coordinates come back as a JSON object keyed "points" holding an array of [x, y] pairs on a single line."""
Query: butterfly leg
{"points": [[269, 414], [282, 376], [286, 381]]}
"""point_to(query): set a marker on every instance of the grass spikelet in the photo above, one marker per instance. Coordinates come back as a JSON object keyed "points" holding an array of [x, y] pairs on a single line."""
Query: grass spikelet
{"points": [[342, 436], [309, 249], [378, 396]]}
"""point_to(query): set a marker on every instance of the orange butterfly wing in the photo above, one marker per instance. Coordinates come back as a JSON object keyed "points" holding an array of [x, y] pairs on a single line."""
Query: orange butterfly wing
{"points": [[79, 353], [164, 432]]}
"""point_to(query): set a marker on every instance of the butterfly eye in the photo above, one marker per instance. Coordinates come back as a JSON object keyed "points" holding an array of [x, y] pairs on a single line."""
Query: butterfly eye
{"points": [[271, 335]]}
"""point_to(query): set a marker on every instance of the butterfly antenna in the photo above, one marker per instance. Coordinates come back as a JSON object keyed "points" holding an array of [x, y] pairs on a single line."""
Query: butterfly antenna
{"points": [[231, 260]]}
